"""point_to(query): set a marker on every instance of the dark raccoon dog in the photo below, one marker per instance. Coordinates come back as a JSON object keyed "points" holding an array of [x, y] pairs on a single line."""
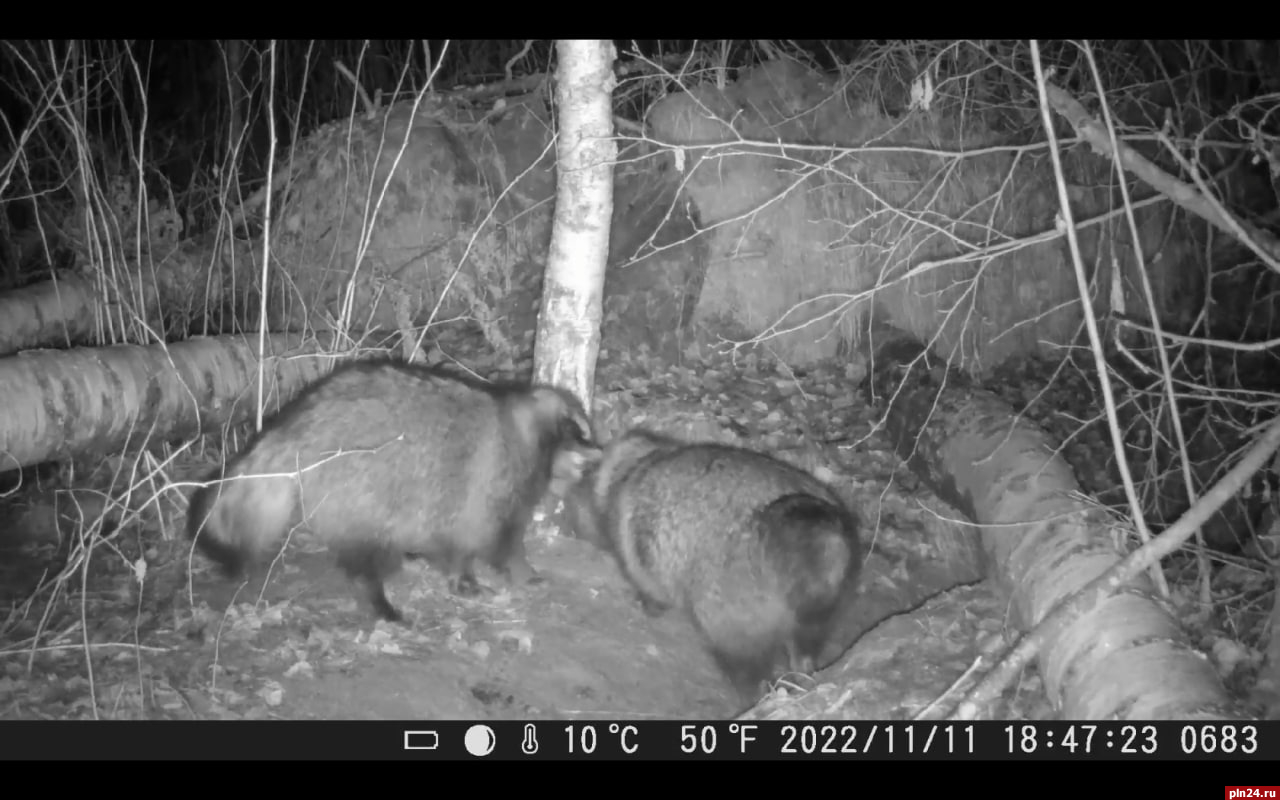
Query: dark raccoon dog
{"points": [[381, 461], [759, 554]]}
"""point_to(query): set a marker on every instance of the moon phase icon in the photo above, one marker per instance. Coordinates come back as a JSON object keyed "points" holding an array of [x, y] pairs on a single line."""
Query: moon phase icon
{"points": [[479, 740]]}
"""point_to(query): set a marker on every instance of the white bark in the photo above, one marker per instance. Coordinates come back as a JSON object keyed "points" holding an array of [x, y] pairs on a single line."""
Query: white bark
{"points": [[568, 336]]}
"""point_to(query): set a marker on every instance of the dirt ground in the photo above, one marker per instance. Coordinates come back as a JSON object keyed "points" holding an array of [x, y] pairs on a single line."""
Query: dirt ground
{"points": [[575, 646], [143, 629]]}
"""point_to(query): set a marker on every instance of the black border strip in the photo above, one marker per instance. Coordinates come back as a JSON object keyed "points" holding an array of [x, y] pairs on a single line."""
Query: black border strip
{"points": [[641, 741]]}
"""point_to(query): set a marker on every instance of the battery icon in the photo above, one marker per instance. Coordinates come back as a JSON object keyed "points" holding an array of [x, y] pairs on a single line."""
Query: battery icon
{"points": [[421, 740]]}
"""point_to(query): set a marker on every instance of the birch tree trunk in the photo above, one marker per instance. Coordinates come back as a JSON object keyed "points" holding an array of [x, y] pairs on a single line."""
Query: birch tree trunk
{"points": [[1126, 657], [568, 335], [56, 404], [59, 312]]}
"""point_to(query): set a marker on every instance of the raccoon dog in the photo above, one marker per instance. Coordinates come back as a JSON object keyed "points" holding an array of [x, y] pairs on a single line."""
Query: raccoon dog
{"points": [[381, 461], [759, 554]]}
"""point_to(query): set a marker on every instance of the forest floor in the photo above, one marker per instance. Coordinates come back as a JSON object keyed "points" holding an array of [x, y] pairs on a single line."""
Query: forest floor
{"points": [[174, 641]]}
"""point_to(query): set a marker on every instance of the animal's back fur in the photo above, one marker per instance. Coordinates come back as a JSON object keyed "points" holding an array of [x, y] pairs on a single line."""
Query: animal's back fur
{"points": [[759, 553], [383, 459]]}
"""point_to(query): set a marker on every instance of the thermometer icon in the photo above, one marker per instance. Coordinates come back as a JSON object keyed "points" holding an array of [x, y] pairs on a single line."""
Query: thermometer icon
{"points": [[529, 745]]}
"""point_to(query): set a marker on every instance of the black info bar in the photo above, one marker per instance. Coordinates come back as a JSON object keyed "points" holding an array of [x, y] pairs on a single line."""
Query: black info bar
{"points": [[642, 741]]}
